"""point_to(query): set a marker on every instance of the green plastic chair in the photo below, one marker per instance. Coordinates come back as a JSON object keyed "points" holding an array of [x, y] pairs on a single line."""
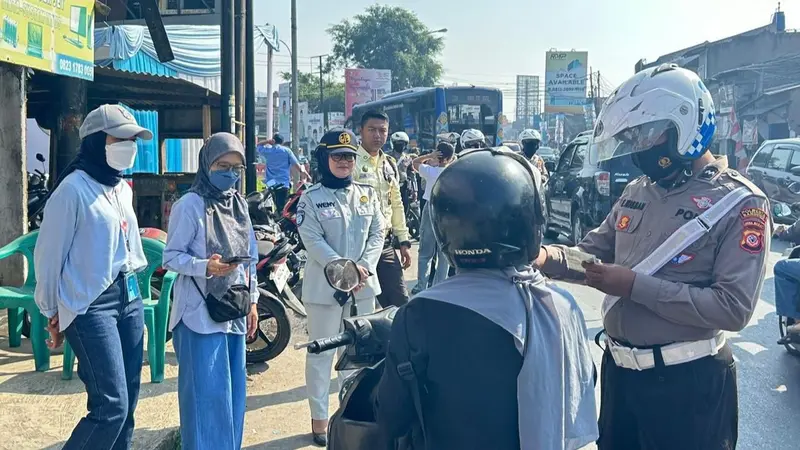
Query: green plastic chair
{"points": [[156, 313], [20, 299]]}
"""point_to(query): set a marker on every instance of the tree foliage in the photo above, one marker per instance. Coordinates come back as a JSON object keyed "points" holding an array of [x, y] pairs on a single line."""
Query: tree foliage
{"points": [[388, 37], [308, 91]]}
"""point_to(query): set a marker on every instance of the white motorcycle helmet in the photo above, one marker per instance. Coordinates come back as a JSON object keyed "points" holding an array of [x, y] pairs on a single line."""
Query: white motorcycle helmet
{"points": [[472, 138], [400, 136], [529, 134], [665, 105]]}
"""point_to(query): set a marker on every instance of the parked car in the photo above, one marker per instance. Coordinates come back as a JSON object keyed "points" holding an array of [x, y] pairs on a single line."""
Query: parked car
{"points": [[775, 168], [581, 190]]}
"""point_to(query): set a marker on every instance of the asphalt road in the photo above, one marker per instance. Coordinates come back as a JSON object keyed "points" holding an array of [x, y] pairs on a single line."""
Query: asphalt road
{"points": [[769, 378]]}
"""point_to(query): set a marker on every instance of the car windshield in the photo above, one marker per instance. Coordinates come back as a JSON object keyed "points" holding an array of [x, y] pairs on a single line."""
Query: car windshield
{"points": [[546, 151]]}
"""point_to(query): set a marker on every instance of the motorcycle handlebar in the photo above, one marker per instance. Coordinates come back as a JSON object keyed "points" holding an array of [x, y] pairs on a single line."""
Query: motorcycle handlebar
{"points": [[328, 343]]}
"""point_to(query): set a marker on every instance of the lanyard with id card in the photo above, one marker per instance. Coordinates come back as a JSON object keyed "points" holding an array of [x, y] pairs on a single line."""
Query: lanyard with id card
{"points": [[132, 291]]}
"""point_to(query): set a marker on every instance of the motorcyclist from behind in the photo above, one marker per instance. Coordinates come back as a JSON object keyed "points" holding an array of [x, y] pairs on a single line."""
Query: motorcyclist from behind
{"points": [[531, 139], [406, 178], [787, 283], [497, 345]]}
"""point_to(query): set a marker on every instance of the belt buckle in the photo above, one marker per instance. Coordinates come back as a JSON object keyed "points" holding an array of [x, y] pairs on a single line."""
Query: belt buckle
{"points": [[625, 357]]}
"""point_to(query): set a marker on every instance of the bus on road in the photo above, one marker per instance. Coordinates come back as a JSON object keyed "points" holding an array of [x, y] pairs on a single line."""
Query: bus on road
{"points": [[424, 113]]}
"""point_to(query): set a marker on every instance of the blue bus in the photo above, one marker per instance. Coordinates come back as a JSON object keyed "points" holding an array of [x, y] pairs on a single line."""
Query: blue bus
{"points": [[424, 113]]}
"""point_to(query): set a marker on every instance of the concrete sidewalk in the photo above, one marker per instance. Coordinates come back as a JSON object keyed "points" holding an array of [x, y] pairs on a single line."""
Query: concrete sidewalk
{"points": [[39, 410]]}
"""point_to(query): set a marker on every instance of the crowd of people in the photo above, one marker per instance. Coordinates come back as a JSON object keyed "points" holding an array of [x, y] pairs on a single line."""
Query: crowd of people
{"points": [[507, 354]]}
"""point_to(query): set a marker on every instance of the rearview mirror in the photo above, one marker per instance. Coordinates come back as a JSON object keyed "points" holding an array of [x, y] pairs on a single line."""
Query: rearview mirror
{"points": [[794, 188], [795, 170], [343, 274], [550, 166], [780, 209], [40, 157]]}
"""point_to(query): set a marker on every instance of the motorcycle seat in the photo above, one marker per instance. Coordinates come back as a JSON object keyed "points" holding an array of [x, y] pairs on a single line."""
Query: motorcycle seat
{"points": [[264, 248]]}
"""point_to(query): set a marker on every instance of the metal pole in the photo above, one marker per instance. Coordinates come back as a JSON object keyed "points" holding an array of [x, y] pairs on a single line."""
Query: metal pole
{"points": [[268, 129], [295, 106], [238, 47], [227, 55], [250, 97], [322, 95]]}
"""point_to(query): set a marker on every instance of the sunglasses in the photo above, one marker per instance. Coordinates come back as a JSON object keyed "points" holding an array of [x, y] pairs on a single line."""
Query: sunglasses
{"points": [[349, 157]]}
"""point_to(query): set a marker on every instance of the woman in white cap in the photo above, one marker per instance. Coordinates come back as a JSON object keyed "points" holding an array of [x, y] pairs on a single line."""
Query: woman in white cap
{"points": [[86, 259]]}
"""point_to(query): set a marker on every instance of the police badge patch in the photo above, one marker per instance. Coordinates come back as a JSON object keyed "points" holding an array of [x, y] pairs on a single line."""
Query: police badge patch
{"points": [[300, 216]]}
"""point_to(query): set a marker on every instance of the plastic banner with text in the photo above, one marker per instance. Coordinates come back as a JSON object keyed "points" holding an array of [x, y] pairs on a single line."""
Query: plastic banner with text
{"points": [[365, 85], [51, 35]]}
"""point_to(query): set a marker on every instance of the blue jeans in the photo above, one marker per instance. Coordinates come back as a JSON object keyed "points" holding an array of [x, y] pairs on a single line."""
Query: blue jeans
{"points": [[427, 248], [108, 341], [211, 388], [787, 288]]}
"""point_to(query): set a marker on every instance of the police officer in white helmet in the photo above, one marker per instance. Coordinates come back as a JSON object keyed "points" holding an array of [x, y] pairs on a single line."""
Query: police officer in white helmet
{"points": [[530, 140], [472, 138], [406, 177], [681, 256]]}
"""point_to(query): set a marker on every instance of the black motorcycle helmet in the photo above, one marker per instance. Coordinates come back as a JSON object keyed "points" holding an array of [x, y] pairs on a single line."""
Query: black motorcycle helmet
{"points": [[487, 211]]}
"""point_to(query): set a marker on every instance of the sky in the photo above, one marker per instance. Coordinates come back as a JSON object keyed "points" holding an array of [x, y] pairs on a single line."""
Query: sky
{"points": [[488, 43]]}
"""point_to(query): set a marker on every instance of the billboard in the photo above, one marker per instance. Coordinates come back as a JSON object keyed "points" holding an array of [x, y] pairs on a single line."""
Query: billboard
{"points": [[365, 85], [53, 36], [285, 109], [527, 99], [565, 79]]}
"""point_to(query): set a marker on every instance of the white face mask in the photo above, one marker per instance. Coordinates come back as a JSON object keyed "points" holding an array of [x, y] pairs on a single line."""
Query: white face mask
{"points": [[121, 155]]}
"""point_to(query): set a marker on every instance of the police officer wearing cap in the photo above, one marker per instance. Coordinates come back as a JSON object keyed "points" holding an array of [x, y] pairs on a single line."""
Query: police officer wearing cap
{"points": [[496, 345], [681, 257], [337, 218]]}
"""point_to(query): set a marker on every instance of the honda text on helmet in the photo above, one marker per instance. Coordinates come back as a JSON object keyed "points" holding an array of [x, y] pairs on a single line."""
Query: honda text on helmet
{"points": [[472, 138], [664, 117], [487, 211], [530, 139]]}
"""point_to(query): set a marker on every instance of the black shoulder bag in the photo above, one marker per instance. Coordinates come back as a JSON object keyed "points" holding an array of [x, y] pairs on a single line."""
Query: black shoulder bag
{"points": [[234, 304], [411, 364]]}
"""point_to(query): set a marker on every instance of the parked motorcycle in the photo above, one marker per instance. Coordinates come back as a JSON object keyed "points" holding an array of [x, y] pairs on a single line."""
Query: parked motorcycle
{"points": [[37, 194], [791, 342], [353, 426]]}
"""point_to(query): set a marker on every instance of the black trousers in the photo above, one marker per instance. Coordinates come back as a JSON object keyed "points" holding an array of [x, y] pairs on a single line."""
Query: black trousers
{"points": [[390, 276], [691, 406], [280, 195]]}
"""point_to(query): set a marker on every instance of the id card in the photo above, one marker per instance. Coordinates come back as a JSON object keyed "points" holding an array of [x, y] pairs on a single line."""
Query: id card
{"points": [[132, 287]]}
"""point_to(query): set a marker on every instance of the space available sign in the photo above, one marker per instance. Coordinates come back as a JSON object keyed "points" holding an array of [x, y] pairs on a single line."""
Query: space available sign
{"points": [[565, 77]]}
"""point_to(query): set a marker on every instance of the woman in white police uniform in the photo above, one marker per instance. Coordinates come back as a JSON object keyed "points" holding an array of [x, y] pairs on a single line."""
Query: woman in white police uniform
{"points": [[337, 218]]}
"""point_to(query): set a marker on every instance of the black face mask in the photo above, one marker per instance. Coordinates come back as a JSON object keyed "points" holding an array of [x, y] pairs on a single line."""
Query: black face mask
{"points": [[399, 147], [530, 148], [656, 163]]}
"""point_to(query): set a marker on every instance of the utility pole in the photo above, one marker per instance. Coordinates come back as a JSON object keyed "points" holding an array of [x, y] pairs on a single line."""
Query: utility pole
{"points": [[227, 56], [238, 45], [250, 97], [295, 106], [322, 108]]}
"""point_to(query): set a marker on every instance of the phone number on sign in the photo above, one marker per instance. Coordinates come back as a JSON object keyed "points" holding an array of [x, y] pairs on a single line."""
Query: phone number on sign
{"points": [[80, 69]]}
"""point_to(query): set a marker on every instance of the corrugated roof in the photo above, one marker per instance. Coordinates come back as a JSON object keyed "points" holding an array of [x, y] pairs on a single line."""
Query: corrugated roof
{"points": [[148, 92]]}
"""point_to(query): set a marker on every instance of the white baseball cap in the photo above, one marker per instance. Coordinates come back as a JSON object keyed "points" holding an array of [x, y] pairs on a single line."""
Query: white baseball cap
{"points": [[113, 120]]}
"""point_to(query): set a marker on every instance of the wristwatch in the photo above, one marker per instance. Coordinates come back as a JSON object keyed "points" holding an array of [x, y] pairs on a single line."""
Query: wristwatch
{"points": [[406, 243]]}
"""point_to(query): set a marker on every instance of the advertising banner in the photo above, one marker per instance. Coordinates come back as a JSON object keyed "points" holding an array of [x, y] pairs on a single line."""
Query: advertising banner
{"points": [[335, 120], [284, 109], [365, 85], [301, 130], [54, 36], [314, 129], [565, 82]]}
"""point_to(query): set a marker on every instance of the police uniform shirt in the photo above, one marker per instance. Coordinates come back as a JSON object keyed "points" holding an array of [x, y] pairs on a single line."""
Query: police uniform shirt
{"points": [[714, 284], [340, 223], [379, 172]]}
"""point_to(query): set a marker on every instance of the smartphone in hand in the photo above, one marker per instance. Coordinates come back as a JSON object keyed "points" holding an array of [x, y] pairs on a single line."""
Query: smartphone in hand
{"points": [[236, 260]]}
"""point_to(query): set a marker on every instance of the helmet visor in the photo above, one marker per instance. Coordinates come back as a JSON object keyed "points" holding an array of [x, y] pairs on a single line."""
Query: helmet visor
{"points": [[634, 139]]}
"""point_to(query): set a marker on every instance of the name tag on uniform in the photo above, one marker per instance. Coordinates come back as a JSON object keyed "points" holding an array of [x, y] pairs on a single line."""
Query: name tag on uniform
{"points": [[329, 213], [364, 210], [366, 176], [132, 287]]}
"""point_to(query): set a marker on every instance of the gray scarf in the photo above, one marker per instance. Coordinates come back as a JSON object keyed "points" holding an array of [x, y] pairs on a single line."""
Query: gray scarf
{"points": [[227, 221], [555, 389]]}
